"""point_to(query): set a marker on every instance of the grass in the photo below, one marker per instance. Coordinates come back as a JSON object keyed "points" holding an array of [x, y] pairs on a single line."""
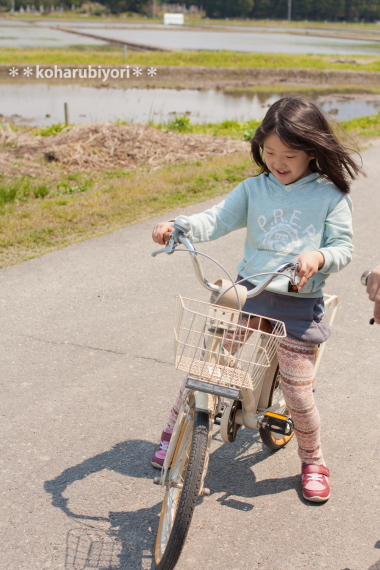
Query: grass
{"points": [[232, 129], [193, 20], [25, 189], [363, 126], [32, 224], [50, 130], [368, 126], [110, 55], [309, 91], [37, 216]]}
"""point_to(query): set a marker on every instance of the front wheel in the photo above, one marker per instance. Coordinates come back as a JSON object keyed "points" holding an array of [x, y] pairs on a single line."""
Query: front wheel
{"points": [[182, 489], [269, 438]]}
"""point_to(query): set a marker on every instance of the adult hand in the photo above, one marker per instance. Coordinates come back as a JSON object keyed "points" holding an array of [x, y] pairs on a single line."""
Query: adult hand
{"points": [[310, 262], [159, 232], [373, 290]]}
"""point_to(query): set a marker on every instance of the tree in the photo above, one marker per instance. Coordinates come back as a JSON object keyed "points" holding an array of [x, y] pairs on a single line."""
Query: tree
{"points": [[117, 6], [228, 8]]}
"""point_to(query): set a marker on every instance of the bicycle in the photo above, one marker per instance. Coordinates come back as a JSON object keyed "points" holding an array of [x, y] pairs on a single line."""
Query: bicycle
{"points": [[228, 387]]}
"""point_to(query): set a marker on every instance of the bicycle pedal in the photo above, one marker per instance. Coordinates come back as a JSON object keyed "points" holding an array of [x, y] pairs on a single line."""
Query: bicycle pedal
{"points": [[277, 423]]}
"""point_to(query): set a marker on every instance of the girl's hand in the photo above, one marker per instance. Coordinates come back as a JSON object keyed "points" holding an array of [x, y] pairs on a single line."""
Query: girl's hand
{"points": [[373, 290], [159, 232], [310, 262]]}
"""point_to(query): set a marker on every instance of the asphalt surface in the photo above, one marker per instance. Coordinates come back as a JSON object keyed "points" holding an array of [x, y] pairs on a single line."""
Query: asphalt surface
{"points": [[87, 380]]}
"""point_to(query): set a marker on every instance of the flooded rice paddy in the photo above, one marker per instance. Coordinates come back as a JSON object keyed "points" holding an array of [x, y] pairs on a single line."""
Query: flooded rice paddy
{"points": [[245, 39], [43, 104], [37, 36]]}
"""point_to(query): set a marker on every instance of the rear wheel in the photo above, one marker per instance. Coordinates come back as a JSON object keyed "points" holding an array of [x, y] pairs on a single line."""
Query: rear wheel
{"points": [[269, 438], [182, 489]]}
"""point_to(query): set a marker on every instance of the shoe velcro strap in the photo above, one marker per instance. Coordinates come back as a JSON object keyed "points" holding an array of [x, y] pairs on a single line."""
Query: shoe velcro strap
{"points": [[315, 469]]}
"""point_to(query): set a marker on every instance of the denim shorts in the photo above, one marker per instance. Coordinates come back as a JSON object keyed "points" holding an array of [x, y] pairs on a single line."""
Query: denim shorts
{"points": [[302, 315]]}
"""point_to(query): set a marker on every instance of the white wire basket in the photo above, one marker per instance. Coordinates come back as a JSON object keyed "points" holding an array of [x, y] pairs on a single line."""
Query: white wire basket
{"points": [[214, 344]]}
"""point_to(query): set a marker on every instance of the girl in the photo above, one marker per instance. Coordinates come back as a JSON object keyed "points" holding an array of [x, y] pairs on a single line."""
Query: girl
{"points": [[296, 208]]}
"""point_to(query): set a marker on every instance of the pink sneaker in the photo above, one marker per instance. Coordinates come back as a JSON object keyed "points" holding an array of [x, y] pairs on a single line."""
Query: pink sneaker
{"points": [[159, 456], [315, 486]]}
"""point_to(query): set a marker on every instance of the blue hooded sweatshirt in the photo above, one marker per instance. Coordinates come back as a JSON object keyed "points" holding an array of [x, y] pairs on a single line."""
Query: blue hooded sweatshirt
{"points": [[283, 222]]}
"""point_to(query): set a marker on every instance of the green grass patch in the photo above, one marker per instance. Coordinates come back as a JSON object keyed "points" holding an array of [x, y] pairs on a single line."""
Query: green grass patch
{"points": [[72, 211], [109, 55], [263, 91], [363, 126], [233, 129], [50, 130], [21, 190], [25, 189], [368, 126]]}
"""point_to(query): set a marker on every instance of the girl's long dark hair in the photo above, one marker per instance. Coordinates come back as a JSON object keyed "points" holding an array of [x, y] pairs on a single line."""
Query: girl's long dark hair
{"points": [[301, 125]]}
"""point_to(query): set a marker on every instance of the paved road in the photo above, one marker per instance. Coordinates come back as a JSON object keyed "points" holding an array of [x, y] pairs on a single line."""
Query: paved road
{"points": [[87, 380]]}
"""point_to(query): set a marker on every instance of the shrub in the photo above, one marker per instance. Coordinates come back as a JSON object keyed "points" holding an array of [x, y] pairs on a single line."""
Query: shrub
{"points": [[50, 130], [181, 124]]}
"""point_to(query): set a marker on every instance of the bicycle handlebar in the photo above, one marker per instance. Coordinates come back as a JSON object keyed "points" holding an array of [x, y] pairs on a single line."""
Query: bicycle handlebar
{"points": [[364, 281], [364, 278], [176, 237]]}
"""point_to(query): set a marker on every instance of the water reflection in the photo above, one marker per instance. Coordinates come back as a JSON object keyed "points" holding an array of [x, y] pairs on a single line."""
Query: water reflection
{"points": [[44, 104]]}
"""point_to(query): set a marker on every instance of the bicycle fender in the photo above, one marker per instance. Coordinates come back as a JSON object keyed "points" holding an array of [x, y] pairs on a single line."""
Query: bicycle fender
{"points": [[204, 402]]}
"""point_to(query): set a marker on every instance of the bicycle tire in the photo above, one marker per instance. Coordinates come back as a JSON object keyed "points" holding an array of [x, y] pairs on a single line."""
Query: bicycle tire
{"points": [[273, 440], [179, 503]]}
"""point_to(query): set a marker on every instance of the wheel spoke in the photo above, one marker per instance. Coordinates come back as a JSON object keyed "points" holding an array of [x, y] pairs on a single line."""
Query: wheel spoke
{"points": [[182, 488], [176, 470], [177, 475]]}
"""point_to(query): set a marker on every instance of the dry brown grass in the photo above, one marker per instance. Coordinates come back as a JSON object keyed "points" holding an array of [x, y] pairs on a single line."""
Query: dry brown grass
{"points": [[106, 146]]}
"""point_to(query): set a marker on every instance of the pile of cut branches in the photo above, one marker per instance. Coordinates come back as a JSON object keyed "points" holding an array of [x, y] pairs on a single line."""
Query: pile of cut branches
{"points": [[104, 146]]}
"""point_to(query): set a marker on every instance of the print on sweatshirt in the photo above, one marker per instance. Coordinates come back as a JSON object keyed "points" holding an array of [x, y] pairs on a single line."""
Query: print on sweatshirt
{"points": [[284, 236]]}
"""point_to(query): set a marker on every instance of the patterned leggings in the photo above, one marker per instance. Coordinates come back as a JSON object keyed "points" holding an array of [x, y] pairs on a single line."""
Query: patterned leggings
{"points": [[296, 361]]}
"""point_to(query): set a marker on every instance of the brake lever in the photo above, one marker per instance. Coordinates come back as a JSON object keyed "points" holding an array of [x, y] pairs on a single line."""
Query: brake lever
{"points": [[292, 285], [182, 226], [168, 249]]}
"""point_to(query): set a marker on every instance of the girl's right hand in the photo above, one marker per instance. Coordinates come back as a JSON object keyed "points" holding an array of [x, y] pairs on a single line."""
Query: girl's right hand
{"points": [[161, 231]]}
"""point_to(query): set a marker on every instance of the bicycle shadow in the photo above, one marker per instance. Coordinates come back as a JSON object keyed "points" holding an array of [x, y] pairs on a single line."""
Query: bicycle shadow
{"points": [[126, 541], [231, 471]]}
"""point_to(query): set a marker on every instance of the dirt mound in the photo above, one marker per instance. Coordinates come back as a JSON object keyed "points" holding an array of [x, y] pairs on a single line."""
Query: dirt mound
{"points": [[106, 146]]}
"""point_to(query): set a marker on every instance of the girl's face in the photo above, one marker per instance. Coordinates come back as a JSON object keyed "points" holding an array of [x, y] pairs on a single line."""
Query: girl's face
{"points": [[286, 164]]}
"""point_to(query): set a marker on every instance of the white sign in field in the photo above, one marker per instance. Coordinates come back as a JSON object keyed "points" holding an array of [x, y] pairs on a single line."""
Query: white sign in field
{"points": [[177, 19]]}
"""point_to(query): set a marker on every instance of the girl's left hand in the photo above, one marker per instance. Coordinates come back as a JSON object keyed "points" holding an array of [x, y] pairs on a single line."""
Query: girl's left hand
{"points": [[310, 262]]}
